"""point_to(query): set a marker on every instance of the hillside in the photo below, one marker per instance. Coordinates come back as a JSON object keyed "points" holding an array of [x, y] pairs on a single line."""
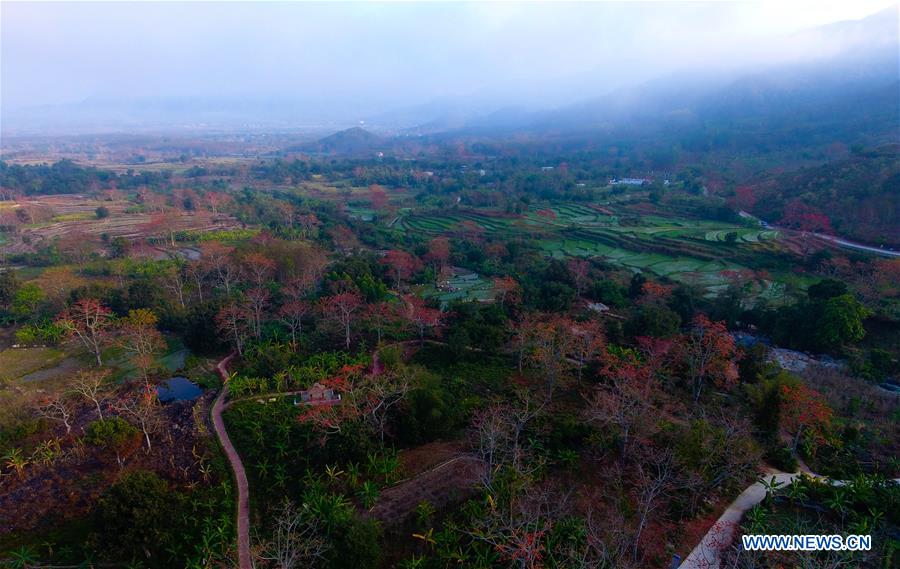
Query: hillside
{"points": [[859, 195], [354, 140]]}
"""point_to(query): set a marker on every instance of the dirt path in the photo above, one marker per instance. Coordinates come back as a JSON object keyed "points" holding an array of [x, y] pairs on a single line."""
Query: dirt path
{"points": [[240, 475]]}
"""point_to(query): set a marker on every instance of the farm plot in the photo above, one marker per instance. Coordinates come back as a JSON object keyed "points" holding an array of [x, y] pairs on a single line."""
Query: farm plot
{"points": [[744, 235], [680, 248], [463, 285]]}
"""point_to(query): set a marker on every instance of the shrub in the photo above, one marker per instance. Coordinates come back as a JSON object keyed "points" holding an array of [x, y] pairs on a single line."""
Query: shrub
{"points": [[111, 433], [781, 457]]}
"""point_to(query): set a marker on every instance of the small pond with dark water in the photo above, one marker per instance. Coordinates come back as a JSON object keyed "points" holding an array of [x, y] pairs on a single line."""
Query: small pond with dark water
{"points": [[178, 389]]}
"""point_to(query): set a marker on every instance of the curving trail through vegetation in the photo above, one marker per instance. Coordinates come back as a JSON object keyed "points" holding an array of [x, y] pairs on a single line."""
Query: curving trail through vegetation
{"points": [[240, 475], [708, 553]]}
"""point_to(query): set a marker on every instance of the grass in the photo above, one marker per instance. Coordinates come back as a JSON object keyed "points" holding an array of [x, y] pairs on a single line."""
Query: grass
{"points": [[19, 362], [76, 216]]}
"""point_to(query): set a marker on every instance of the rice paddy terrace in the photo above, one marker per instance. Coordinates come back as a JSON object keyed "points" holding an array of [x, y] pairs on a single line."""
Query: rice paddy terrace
{"points": [[682, 248]]}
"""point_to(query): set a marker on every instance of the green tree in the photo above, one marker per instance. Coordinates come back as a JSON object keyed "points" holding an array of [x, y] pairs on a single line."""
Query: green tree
{"points": [[134, 517], [841, 322], [26, 301], [9, 284]]}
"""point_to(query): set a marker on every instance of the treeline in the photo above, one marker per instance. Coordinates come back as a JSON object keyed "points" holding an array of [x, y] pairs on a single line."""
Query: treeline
{"points": [[67, 177], [860, 196]]}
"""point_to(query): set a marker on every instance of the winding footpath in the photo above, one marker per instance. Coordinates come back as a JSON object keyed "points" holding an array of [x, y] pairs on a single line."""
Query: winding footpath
{"points": [[240, 475]]}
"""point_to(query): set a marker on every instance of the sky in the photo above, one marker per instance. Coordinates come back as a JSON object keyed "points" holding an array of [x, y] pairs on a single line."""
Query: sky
{"points": [[377, 56]]}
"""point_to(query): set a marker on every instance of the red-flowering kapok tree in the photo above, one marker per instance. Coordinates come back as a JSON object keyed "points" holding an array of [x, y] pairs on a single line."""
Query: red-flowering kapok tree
{"points": [[507, 290], [709, 352], [803, 410], [87, 320], [401, 264], [341, 310], [439, 252], [420, 316]]}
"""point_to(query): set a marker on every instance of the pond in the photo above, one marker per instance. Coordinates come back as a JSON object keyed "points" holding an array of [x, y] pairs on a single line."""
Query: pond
{"points": [[178, 389]]}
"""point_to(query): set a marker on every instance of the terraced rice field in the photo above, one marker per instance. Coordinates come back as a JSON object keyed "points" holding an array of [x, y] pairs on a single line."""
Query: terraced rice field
{"points": [[684, 249], [744, 235], [468, 286]]}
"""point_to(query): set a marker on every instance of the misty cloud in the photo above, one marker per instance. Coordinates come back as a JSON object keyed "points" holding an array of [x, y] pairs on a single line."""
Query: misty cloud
{"points": [[366, 58]]}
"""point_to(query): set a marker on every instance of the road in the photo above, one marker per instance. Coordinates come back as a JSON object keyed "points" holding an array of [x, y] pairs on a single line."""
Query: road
{"points": [[860, 246], [830, 238], [240, 475]]}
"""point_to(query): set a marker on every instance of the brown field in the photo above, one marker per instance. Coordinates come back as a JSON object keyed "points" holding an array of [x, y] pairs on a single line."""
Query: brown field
{"points": [[447, 483], [72, 217]]}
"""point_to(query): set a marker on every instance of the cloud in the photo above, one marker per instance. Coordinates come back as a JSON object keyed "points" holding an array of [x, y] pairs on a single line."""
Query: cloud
{"points": [[377, 55]]}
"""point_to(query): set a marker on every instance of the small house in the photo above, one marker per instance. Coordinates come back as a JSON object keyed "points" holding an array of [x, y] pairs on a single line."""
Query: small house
{"points": [[318, 394]]}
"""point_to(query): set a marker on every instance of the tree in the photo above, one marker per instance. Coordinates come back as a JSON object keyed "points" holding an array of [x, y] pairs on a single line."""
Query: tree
{"points": [[257, 299], [438, 251], [90, 385], [296, 540], [497, 433], [420, 316], [548, 342], [343, 238], [709, 352], [258, 268], [87, 319], [623, 402], [174, 279], [841, 321], [58, 408], [588, 343], [135, 515], [232, 321], [26, 300], [654, 478], [379, 316], [401, 264], [137, 335], [292, 314], [507, 289], [518, 528], [803, 410], [380, 393], [9, 284], [340, 309], [580, 270], [217, 258], [378, 198], [143, 408]]}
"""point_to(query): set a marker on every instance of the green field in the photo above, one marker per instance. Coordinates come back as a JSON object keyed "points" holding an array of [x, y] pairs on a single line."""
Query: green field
{"points": [[465, 286], [688, 250]]}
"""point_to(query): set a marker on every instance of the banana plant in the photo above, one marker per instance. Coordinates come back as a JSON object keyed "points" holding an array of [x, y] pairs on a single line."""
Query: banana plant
{"points": [[757, 520], [368, 494], [263, 467], [427, 537], [23, 558], [797, 492], [333, 473], [414, 562], [771, 486], [16, 461]]}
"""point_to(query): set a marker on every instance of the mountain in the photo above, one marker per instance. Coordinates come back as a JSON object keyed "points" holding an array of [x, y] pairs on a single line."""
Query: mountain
{"points": [[845, 89], [352, 141]]}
